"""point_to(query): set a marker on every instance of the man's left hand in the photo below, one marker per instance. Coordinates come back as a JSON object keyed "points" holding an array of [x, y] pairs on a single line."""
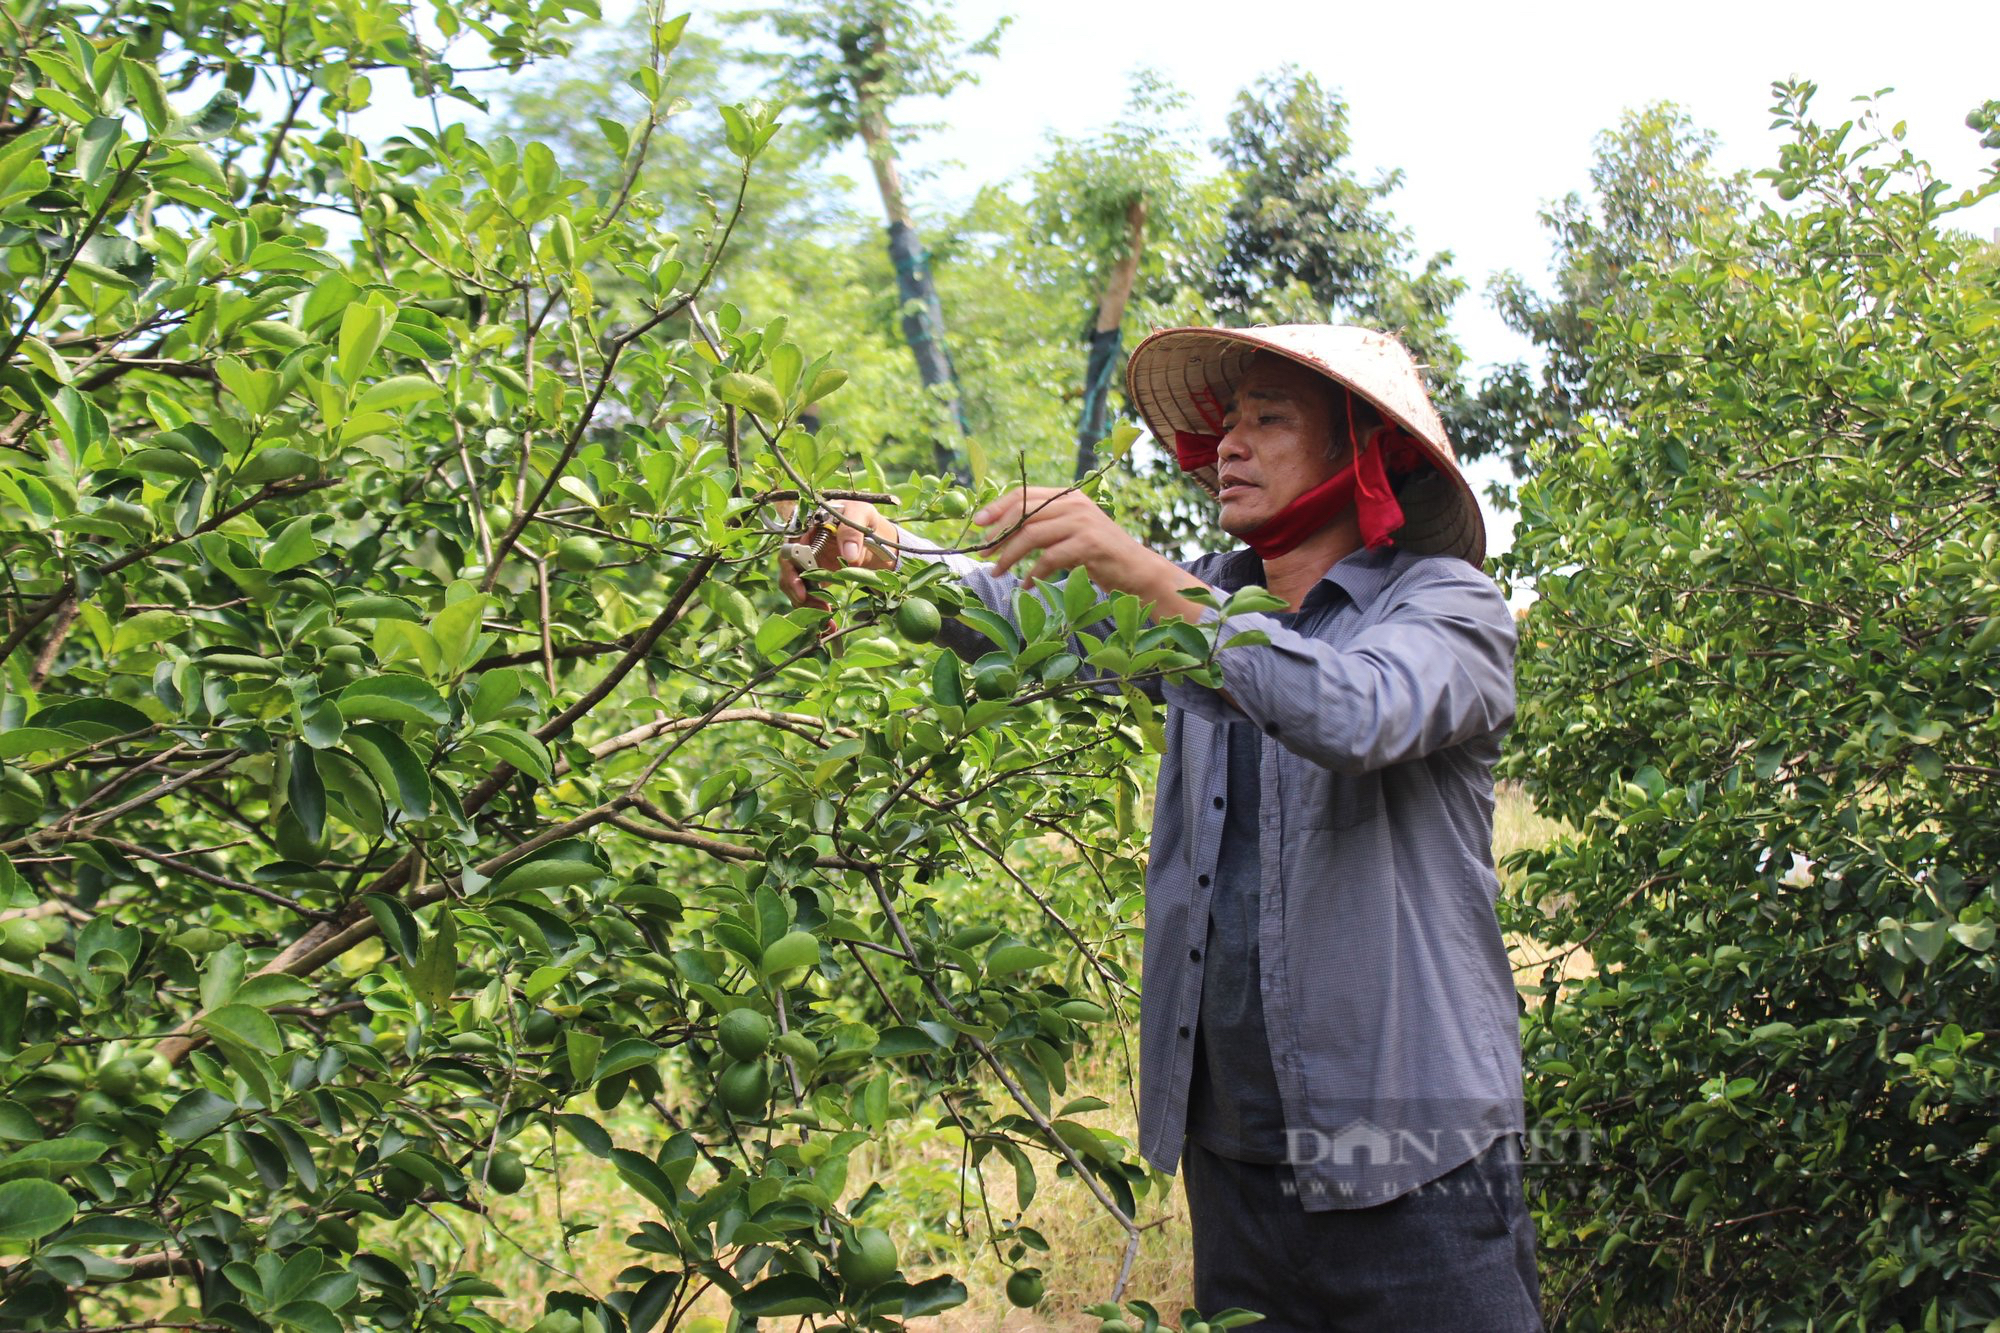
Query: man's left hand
{"points": [[1071, 532]]}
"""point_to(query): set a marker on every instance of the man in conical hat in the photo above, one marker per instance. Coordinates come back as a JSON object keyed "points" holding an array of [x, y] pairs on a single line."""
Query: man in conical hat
{"points": [[1329, 1041]]}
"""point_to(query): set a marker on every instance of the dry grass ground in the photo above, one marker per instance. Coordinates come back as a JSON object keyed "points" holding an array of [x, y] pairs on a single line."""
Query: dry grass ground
{"points": [[919, 1168]]}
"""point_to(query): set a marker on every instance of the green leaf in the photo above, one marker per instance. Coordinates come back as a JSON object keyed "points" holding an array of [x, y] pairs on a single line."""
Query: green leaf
{"points": [[627, 1053], [1007, 959], [147, 627], [394, 765], [933, 1296], [215, 118], [498, 688], [322, 725], [775, 633], [16, 1125], [393, 698], [31, 1209], [582, 1049], [51, 1159], [396, 391], [99, 137], [293, 546], [361, 330], [149, 94], [456, 629], [271, 988], [586, 1132], [196, 1115], [245, 1025], [396, 923], [783, 1295], [518, 748], [306, 792], [798, 949], [544, 873], [437, 971], [644, 1175]]}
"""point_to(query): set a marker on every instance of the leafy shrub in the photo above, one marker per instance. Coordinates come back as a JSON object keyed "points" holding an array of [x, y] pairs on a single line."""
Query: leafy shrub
{"points": [[405, 745], [1761, 683]]}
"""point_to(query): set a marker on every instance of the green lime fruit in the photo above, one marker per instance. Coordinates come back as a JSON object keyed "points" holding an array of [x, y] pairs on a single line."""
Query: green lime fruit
{"points": [[867, 1259], [917, 620], [541, 1027], [506, 1173], [953, 504], [1024, 1288], [578, 553], [20, 940], [745, 1034], [745, 1089], [120, 1078], [996, 682], [93, 1107]]}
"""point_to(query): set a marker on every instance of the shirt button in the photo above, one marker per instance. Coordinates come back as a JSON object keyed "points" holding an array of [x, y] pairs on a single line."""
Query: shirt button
{"points": [[1218, 802], [1194, 955], [1201, 880], [1186, 1033]]}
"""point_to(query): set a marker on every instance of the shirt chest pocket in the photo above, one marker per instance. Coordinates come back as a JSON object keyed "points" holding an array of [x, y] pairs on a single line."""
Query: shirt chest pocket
{"points": [[1329, 800]]}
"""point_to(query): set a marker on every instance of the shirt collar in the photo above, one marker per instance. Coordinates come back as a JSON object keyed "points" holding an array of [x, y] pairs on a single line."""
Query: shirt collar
{"points": [[1361, 574]]}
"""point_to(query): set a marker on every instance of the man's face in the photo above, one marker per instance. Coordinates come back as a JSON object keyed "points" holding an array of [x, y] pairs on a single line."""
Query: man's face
{"points": [[1277, 433]]}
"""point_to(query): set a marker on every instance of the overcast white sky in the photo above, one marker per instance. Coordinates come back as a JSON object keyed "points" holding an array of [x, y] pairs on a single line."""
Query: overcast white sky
{"points": [[1489, 108]]}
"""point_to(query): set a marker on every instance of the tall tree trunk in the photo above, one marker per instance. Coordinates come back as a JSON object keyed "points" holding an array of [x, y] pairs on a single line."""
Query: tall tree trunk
{"points": [[923, 316], [1106, 339]]}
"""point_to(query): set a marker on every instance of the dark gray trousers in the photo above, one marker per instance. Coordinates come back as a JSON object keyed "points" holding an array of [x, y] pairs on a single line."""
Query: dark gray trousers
{"points": [[1454, 1256]]}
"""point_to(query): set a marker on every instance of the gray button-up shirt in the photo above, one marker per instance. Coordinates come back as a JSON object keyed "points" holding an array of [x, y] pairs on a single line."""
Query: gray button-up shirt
{"points": [[1388, 993]]}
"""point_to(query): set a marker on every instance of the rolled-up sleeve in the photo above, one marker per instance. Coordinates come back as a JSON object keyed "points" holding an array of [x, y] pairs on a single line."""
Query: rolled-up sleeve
{"points": [[1434, 672]]}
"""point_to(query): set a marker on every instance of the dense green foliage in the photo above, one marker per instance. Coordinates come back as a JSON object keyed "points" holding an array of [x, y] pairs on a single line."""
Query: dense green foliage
{"points": [[1762, 682], [408, 760]]}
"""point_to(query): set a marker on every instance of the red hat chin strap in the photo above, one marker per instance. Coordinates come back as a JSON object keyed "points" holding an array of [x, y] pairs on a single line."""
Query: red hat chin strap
{"points": [[1362, 484]]}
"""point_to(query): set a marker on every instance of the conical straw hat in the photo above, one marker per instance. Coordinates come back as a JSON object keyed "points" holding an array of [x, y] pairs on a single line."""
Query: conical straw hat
{"points": [[1181, 379]]}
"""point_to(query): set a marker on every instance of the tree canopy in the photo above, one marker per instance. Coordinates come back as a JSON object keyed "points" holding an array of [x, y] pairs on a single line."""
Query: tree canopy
{"points": [[410, 777], [1760, 683]]}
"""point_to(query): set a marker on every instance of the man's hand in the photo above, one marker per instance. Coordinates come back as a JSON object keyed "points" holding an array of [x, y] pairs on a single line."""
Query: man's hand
{"points": [[1071, 532], [843, 547]]}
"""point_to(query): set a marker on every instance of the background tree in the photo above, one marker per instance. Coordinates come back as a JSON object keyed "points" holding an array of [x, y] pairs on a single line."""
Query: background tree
{"points": [[1760, 682], [1307, 240], [1095, 199], [850, 62], [410, 778], [1657, 196]]}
